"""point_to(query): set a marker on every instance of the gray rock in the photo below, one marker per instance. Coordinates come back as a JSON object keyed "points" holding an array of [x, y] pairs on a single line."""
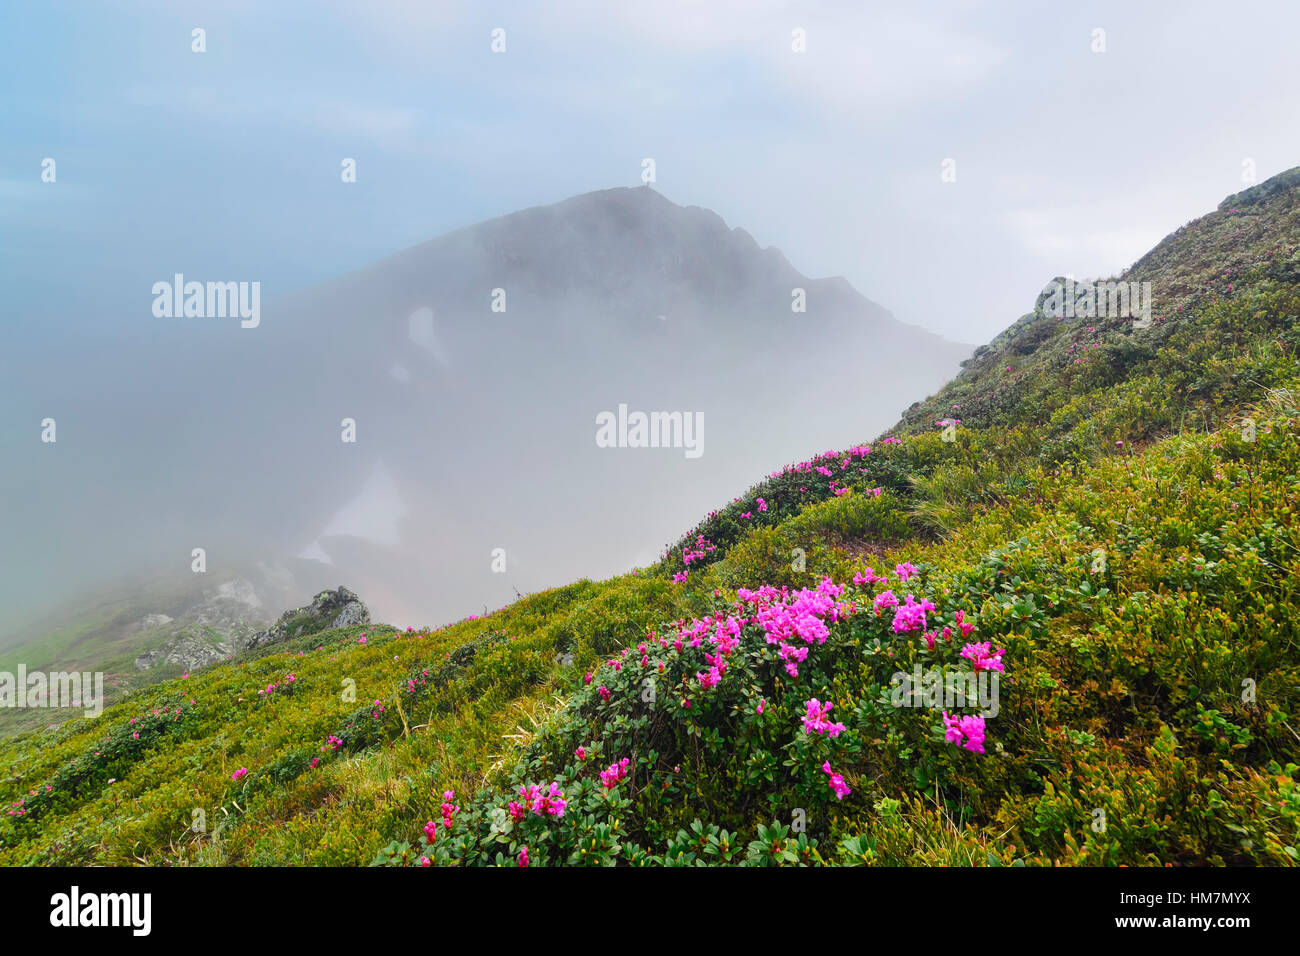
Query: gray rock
{"points": [[185, 650], [354, 613], [337, 608]]}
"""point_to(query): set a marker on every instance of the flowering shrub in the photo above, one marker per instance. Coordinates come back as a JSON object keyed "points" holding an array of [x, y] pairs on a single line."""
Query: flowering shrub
{"points": [[743, 666]]}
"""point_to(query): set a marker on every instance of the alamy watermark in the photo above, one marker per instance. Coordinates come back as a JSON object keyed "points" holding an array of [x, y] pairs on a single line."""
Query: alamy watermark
{"points": [[129, 910], [208, 300], [651, 430], [939, 687], [1090, 300], [37, 689]]}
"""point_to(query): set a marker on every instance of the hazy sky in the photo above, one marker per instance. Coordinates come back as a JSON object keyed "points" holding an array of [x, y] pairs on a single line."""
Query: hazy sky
{"points": [[228, 161]]}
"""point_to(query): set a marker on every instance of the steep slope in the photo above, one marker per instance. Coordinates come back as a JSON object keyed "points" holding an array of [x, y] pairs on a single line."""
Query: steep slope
{"points": [[743, 700]]}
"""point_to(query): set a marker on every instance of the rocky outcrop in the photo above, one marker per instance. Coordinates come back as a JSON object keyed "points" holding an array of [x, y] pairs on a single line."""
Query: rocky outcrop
{"points": [[189, 651], [337, 608], [216, 631], [206, 632]]}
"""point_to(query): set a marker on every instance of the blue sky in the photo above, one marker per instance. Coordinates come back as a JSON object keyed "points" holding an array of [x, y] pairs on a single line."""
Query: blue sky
{"points": [[227, 162]]}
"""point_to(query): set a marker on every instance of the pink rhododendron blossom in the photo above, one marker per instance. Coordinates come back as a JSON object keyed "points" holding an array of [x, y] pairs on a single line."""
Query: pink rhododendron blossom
{"points": [[984, 658], [786, 618], [911, 615], [836, 782], [708, 678], [817, 720], [615, 775], [550, 803], [965, 731], [866, 577], [448, 808]]}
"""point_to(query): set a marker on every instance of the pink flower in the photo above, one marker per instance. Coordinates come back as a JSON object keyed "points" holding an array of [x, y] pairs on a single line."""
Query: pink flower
{"points": [[615, 775], [816, 720], [604, 692], [911, 616], [761, 704], [239, 774], [836, 782], [581, 753], [708, 678], [551, 803], [966, 731], [866, 577], [448, 808], [523, 857], [984, 658], [907, 570], [960, 620]]}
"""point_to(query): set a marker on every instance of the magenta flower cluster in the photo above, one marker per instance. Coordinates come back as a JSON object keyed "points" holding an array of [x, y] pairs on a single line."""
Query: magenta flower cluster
{"points": [[817, 719], [983, 657], [836, 782], [965, 731], [549, 804], [615, 775]]}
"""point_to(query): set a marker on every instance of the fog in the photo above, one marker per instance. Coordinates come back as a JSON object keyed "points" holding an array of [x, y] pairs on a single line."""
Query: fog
{"points": [[426, 429]]}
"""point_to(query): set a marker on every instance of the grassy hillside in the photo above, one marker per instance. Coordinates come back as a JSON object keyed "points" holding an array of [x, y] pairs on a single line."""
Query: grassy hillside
{"points": [[1110, 528]]}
